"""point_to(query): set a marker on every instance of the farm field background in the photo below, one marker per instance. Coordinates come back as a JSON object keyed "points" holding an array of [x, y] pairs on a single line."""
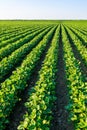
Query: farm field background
{"points": [[43, 75]]}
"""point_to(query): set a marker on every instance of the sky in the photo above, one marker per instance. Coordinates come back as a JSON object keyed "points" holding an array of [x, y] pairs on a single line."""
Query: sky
{"points": [[43, 9]]}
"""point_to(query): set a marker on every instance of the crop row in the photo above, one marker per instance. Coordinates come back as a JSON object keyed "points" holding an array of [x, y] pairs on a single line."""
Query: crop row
{"points": [[80, 35], [5, 51], [76, 87], [80, 47], [16, 37], [18, 80], [9, 63], [13, 33], [81, 30], [42, 95], [4, 31]]}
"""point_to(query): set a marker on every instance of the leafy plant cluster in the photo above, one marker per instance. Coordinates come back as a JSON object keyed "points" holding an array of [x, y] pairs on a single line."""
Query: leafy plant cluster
{"points": [[7, 30], [10, 38], [80, 47], [81, 35], [77, 89], [8, 63], [18, 80], [7, 50], [42, 95]]}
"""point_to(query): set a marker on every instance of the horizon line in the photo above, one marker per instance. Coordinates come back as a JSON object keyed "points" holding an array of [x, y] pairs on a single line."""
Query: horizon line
{"points": [[42, 19]]}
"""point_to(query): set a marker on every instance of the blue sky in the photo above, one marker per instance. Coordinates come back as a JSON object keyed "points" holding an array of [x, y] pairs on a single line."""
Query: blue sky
{"points": [[43, 9]]}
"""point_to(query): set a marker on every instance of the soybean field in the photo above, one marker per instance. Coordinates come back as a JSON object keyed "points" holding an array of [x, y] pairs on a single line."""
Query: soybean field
{"points": [[43, 75]]}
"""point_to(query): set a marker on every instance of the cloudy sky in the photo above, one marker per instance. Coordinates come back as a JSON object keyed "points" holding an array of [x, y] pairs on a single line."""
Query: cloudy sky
{"points": [[43, 9]]}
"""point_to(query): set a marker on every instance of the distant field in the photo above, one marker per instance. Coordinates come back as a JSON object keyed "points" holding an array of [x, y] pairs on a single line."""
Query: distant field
{"points": [[43, 75]]}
